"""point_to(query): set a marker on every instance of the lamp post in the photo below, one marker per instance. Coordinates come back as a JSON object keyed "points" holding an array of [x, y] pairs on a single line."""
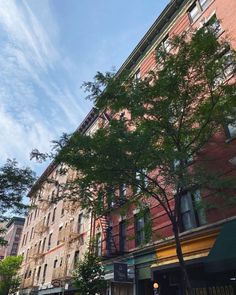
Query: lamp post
{"points": [[156, 288]]}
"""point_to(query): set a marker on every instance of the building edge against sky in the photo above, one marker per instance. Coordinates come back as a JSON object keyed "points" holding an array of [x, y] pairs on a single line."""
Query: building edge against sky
{"points": [[55, 236]]}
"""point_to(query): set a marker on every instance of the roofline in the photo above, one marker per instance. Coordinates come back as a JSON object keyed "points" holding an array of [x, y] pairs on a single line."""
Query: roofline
{"points": [[148, 39], [84, 125], [13, 219]]}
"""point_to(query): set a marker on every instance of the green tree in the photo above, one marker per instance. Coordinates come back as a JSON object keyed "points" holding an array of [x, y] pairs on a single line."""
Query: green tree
{"points": [[9, 279], [89, 276], [158, 129], [14, 185]]}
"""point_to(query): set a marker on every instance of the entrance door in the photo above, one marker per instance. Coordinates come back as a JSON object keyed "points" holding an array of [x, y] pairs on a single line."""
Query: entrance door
{"points": [[122, 289]]}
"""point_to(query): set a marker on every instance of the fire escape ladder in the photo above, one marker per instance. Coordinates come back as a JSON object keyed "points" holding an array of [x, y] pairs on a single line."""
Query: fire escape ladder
{"points": [[110, 248]]}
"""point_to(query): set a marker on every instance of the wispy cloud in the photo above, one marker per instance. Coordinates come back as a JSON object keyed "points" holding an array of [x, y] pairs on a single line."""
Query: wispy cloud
{"points": [[36, 103]]}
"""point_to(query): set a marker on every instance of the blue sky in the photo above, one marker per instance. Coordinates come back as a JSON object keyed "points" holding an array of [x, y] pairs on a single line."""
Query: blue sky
{"points": [[47, 49]]}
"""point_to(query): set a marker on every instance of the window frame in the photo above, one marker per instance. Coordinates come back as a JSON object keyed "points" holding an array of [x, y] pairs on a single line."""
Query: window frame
{"points": [[122, 236]]}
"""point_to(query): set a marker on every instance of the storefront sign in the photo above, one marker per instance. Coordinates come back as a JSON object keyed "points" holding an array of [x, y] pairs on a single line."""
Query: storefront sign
{"points": [[120, 272]]}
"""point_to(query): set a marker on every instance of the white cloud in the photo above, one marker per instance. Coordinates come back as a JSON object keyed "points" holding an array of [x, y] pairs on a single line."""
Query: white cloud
{"points": [[36, 104]]}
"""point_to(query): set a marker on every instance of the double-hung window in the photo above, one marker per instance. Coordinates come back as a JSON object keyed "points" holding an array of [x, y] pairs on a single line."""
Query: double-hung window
{"points": [[80, 223], [231, 130], [122, 235], [197, 8], [192, 211], [142, 227]]}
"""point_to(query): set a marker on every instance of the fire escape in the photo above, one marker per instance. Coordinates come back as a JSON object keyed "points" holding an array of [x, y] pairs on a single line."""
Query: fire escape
{"points": [[72, 240]]}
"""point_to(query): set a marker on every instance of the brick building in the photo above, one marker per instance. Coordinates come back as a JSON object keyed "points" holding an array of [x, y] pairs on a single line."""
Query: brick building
{"points": [[206, 238], [13, 233], [50, 250], [55, 234]]}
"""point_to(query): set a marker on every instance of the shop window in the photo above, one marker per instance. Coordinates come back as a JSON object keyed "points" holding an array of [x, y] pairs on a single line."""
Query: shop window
{"points": [[142, 227], [122, 235], [192, 211]]}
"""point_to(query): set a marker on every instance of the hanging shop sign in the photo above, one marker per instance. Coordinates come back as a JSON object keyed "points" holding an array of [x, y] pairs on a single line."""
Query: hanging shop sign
{"points": [[120, 272]]}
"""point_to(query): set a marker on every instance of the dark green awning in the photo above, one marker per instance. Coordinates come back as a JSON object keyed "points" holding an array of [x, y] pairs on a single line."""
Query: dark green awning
{"points": [[222, 256]]}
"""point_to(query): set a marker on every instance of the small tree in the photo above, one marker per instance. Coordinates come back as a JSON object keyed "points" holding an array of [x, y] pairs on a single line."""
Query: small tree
{"points": [[158, 128], [9, 279], [14, 184], [89, 276]]}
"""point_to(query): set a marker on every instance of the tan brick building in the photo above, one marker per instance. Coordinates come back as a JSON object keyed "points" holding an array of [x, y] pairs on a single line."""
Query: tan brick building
{"points": [[56, 235]]}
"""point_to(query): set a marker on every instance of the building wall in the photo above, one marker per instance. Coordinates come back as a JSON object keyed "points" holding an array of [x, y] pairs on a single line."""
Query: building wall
{"points": [[218, 152]]}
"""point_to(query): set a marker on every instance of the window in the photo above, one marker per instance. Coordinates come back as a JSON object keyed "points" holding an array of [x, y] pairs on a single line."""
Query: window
{"points": [[49, 241], [55, 263], [23, 241], [214, 25], [26, 238], [204, 3], [43, 245], [165, 44], [80, 223], [194, 12], [137, 76], [76, 258], [54, 214], [141, 180], [48, 218], [122, 235], [14, 249], [59, 235], [35, 213], [122, 191], [44, 272], [99, 244], [142, 227], [231, 130], [31, 234], [192, 212], [109, 239]]}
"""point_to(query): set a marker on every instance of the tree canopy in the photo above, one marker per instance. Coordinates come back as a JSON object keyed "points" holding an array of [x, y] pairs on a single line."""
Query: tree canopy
{"points": [[89, 276], [15, 182], [9, 279]]}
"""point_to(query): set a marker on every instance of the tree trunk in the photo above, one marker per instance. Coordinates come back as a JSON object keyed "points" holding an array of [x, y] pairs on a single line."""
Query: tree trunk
{"points": [[185, 276]]}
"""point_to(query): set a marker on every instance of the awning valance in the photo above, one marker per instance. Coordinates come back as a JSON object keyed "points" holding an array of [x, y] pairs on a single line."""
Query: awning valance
{"points": [[222, 256]]}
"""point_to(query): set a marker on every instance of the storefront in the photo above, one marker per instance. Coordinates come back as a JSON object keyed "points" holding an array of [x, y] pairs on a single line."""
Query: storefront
{"points": [[120, 276], [210, 259]]}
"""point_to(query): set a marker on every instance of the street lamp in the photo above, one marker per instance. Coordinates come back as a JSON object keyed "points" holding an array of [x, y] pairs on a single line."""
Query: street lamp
{"points": [[156, 288]]}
